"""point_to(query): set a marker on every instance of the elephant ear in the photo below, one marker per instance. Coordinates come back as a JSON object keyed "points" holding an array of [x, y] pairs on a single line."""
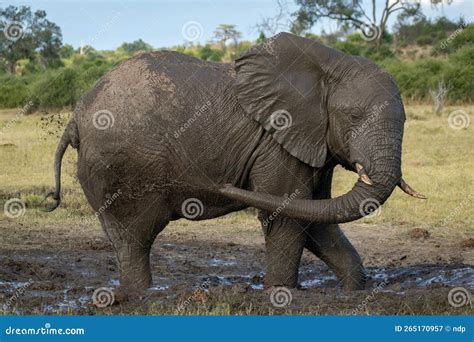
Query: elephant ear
{"points": [[279, 84]]}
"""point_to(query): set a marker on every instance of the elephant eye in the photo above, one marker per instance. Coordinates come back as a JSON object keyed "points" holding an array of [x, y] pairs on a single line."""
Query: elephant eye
{"points": [[356, 115]]}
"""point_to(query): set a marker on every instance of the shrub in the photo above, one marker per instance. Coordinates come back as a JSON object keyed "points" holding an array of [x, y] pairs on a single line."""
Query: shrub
{"points": [[13, 91]]}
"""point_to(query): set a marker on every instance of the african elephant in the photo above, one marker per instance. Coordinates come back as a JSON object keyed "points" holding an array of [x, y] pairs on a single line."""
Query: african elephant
{"points": [[165, 136]]}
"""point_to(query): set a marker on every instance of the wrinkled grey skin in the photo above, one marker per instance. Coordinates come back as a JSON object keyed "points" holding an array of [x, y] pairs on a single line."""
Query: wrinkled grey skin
{"points": [[184, 128]]}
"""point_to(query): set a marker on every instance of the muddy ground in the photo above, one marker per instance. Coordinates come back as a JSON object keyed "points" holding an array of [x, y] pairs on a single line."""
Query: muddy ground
{"points": [[55, 269]]}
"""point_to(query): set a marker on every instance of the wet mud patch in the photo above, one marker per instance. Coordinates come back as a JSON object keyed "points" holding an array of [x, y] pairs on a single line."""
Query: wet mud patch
{"points": [[196, 273]]}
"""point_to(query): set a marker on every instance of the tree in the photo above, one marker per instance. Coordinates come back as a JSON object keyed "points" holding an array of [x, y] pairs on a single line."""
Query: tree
{"points": [[136, 46], [28, 35], [370, 20], [280, 21], [225, 32], [261, 38]]}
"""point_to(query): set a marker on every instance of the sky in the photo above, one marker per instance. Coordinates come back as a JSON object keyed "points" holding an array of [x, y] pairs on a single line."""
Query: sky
{"points": [[106, 24]]}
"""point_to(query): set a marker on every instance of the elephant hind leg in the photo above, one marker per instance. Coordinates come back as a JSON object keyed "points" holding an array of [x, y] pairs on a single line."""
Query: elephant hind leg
{"points": [[329, 243], [132, 238]]}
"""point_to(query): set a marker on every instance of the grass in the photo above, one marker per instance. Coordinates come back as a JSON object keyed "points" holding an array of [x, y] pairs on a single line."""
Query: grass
{"points": [[437, 161]]}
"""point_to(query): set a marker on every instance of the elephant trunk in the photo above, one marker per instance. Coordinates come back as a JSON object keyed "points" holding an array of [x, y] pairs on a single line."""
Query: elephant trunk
{"points": [[363, 199]]}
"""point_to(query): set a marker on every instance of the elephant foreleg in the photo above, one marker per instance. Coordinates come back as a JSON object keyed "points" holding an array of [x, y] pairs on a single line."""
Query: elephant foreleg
{"points": [[284, 243], [329, 243]]}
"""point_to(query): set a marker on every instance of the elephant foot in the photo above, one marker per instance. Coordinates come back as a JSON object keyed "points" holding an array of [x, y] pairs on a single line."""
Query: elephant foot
{"points": [[354, 281]]}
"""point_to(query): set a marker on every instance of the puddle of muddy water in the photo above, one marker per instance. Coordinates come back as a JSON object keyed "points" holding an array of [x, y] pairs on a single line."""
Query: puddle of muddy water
{"points": [[69, 295]]}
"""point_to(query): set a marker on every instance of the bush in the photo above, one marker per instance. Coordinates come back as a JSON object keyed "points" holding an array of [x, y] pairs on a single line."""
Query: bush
{"points": [[56, 89], [13, 91]]}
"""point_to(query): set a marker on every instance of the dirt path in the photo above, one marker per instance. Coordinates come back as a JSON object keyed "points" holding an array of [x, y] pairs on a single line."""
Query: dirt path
{"points": [[50, 269]]}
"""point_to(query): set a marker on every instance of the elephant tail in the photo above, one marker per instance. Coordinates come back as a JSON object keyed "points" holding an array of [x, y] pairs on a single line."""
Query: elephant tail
{"points": [[69, 137]]}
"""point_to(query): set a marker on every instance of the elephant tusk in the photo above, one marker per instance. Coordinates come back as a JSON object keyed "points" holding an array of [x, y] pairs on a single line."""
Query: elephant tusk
{"points": [[362, 174], [409, 190]]}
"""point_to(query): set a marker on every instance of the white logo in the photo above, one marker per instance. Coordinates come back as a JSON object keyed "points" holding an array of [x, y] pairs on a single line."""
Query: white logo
{"points": [[192, 208], [103, 119], [14, 208], [192, 31], [281, 297], [13, 31], [370, 32], [459, 119], [458, 297], [370, 207], [103, 297], [281, 119]]}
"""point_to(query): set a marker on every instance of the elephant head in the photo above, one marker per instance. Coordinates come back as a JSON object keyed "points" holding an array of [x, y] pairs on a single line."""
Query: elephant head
{"points": [[321, 106]]}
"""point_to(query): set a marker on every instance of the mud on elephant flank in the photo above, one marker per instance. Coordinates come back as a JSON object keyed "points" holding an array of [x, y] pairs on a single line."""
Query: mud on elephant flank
{"points": [[268, 128]]}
